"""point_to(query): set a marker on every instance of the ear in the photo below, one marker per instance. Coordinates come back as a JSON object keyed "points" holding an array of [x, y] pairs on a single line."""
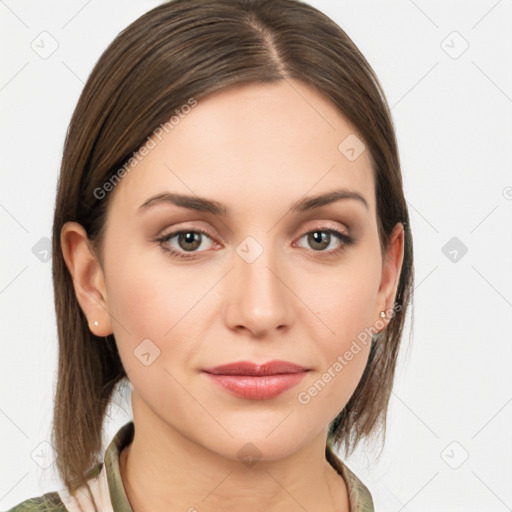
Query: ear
{"points": [[88, 278], [391, 269]]}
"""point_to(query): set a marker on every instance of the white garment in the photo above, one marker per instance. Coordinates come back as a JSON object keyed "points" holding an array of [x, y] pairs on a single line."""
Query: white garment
{"points": [[81, 502]]}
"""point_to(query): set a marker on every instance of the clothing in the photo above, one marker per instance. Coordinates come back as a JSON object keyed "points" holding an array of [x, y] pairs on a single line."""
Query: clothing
{"points": [[110, 496]]}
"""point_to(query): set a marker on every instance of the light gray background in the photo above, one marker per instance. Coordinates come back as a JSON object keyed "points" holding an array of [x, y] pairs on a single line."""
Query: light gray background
{"points": [[449, 445]]}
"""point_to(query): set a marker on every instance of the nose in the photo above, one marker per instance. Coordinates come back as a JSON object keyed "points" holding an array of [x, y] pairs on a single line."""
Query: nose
{"points": [[259, 299]]}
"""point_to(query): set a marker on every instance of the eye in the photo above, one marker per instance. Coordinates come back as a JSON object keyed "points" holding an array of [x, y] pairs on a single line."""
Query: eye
{"points": [[320, 239], [188, 241]]}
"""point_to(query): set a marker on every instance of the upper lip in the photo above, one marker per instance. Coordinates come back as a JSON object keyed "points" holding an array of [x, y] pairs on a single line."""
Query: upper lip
{"points": [[249, 368]]}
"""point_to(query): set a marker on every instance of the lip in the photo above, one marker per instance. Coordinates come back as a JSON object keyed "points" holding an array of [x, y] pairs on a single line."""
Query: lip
{"points": [[250, 380]]}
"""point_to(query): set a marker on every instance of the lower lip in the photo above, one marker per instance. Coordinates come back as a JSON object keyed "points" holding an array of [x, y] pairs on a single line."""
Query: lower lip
{"points": [[257, 387]]}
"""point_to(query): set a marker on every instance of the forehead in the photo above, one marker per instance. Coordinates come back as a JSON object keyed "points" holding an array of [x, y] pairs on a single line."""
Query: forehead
{"points": [[252, 144]]}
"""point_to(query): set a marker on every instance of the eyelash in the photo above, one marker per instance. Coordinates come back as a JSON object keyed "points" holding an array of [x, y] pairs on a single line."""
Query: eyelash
{"points": [[346, 240]]}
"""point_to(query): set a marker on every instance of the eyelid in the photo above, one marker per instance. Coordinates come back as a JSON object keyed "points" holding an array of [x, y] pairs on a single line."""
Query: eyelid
{"points": [[321, 225]]}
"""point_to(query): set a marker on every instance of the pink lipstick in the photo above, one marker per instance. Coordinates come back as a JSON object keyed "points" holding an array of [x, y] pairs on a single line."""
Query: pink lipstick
{"points": [[246, 379]]}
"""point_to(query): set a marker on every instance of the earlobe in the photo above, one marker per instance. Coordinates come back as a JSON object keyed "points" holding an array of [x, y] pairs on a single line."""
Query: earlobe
{"points": [[87, 276]]}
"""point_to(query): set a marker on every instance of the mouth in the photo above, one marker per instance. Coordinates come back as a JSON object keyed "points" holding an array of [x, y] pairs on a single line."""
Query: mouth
{"points": [[254, 381]]}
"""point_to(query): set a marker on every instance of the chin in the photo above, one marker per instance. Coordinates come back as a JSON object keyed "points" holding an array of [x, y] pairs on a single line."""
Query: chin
{"points": [[251, 444]]}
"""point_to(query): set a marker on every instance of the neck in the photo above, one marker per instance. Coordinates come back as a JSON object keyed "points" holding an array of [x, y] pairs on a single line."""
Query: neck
{"points": [[163, 470]]}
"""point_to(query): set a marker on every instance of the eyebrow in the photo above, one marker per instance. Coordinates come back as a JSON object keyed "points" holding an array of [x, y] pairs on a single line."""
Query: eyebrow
{"points": [[207, 205]]}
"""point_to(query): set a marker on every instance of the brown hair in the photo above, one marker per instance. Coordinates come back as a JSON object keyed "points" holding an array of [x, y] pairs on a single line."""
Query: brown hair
{"points": [[186, 49]]}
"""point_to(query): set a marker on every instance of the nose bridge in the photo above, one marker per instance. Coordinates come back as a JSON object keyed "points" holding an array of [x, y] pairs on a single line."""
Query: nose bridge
{"points": [[259, 299]]}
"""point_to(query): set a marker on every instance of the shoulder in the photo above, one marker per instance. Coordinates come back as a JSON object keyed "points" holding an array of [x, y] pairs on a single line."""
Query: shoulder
{"points": [[49, 502], [360, 497]]}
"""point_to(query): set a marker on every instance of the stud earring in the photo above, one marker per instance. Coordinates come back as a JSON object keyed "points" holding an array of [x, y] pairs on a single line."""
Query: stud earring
{"points": [[96, 323], [382, 314]]}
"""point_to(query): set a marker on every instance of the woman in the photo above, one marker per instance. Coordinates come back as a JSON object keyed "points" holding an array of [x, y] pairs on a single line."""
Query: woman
{"points": [[232, 239]]}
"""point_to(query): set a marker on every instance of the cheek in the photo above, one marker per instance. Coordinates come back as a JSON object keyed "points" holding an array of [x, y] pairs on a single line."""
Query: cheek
{"points": [[152, 308], [341, 355], [149, 299], [345, 301], [346, 348]]}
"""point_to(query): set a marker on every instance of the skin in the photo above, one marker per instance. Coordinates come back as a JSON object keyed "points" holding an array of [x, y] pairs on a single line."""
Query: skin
{"points": [[256, 149]]}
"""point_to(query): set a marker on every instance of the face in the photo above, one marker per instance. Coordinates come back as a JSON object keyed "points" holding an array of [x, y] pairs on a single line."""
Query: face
{"points": [[260, 281]]}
